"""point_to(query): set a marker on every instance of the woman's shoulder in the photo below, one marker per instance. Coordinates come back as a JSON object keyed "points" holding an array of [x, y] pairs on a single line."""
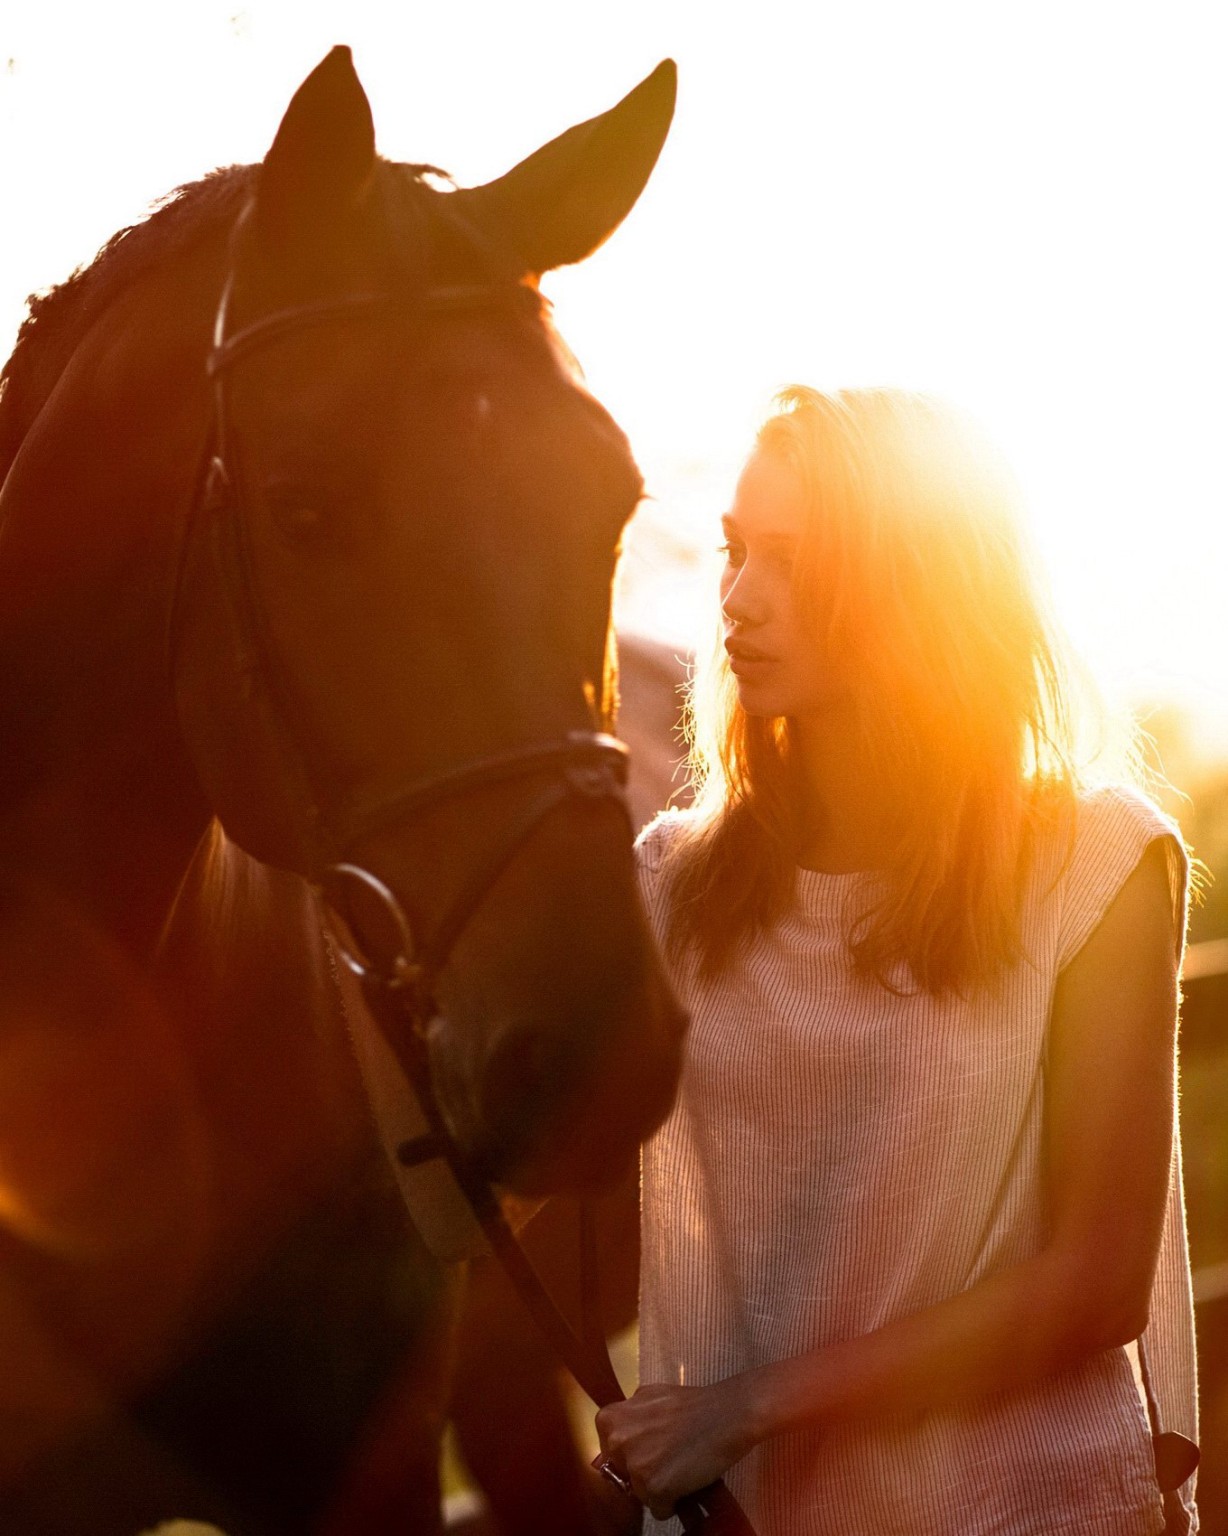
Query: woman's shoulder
{"points": [[1114, 809], [1114, 824], [657, 843], [1112, 827], [1096, 824], [663, 835]]}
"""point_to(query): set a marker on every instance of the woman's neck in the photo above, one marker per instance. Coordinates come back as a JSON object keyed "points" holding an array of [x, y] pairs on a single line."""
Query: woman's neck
{"points": [[847, 814]]}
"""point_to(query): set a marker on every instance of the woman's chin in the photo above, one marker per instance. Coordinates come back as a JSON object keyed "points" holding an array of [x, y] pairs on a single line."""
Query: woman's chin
{"points": [[776, 704], [756, 698]]}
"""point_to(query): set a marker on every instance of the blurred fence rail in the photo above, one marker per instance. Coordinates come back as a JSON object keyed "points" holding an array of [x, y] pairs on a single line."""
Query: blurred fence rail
{"points": [[1204, 1138]]}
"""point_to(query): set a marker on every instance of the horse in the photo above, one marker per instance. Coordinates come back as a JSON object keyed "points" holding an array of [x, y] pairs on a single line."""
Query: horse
{"points": [[307, 533]]}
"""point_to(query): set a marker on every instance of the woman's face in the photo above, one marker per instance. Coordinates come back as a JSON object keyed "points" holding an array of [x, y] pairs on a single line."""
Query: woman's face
{"points": [[773, 651]]}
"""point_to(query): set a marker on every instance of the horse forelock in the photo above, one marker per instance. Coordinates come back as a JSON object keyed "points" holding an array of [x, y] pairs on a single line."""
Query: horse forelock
{"points": [[442, 245]]}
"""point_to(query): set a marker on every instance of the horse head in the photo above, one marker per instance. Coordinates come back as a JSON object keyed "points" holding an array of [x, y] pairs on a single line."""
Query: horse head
{"points": [[390, 635]]}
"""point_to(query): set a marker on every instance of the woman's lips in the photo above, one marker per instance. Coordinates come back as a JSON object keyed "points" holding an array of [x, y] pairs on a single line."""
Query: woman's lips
{"points": [[745, 659]]}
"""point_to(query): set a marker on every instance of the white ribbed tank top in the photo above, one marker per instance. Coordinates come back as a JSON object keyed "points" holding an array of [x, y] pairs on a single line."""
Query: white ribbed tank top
{"points": [[839, 1156]]}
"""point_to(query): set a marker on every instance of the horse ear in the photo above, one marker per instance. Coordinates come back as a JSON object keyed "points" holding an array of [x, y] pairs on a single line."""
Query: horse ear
{"points": [[323, 156], [565, 200]]}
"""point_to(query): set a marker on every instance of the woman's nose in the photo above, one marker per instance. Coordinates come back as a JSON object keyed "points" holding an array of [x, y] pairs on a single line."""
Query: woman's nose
{"points": [[741, 603]]}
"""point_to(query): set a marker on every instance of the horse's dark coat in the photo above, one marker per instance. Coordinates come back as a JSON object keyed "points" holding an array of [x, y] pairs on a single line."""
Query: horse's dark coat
{"points": [[206, 1288]]}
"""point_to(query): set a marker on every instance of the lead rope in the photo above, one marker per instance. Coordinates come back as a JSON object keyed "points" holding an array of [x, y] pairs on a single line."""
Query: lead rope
{"points": [[713, 1510]]}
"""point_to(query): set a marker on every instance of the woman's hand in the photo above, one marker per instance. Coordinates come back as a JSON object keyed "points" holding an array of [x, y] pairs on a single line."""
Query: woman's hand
{"points": [[669, 1441]]}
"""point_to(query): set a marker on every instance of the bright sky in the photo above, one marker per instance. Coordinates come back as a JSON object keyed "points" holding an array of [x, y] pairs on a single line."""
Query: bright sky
{"points": [[1020, 207]]}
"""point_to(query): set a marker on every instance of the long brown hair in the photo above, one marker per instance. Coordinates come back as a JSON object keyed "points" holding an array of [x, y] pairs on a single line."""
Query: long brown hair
{"points": [[913, 568]]}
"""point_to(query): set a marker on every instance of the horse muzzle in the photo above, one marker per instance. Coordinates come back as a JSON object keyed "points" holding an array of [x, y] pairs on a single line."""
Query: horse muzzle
{"points": [[561, 1100]]}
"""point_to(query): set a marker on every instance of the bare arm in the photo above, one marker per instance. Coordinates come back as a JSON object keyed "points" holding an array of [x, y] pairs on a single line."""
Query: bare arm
{"points": [[1109, 1099]]}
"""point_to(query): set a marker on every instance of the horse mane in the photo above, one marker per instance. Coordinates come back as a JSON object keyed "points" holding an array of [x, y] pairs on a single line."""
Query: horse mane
{"points": [[57, 318], [219, 884], [228, 902]]}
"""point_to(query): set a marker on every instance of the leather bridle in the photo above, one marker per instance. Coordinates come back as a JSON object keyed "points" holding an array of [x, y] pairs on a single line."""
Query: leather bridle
{"points": [[581, 764], [399, 984]]}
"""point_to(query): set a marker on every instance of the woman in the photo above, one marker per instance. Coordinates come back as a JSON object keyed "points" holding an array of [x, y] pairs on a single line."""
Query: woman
{"points": [[919, 1190]]}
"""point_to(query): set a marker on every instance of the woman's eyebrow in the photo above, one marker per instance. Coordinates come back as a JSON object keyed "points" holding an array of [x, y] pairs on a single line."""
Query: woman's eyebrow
{"points": [[771, 538]]}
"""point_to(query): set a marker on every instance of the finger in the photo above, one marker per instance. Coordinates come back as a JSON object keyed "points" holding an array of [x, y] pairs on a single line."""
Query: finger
{"points": [[654, 1494], [660, 1508], [641, 1490]]}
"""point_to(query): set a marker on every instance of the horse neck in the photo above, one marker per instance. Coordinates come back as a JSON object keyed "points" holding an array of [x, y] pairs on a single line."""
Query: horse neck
{"points": [[97, 797]]}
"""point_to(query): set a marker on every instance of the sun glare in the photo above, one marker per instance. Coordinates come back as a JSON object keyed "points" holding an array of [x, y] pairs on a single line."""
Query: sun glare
{"points": [[1008, 208]]}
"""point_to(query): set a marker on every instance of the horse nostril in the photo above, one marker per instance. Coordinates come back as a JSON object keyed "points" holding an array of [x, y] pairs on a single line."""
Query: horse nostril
{"points": [[560, 1101], [516, 1087]]}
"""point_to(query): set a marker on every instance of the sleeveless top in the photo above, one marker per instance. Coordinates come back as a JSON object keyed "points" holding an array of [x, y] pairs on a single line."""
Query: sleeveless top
{"points": [[840, 1156]]}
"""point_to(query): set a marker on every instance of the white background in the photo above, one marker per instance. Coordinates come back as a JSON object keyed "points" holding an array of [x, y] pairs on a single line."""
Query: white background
{"points": [[1021, 207]]}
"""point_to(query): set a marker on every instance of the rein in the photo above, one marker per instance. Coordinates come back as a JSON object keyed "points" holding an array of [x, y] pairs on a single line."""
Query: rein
{"points": [[399, 986], [400, 1002]]}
